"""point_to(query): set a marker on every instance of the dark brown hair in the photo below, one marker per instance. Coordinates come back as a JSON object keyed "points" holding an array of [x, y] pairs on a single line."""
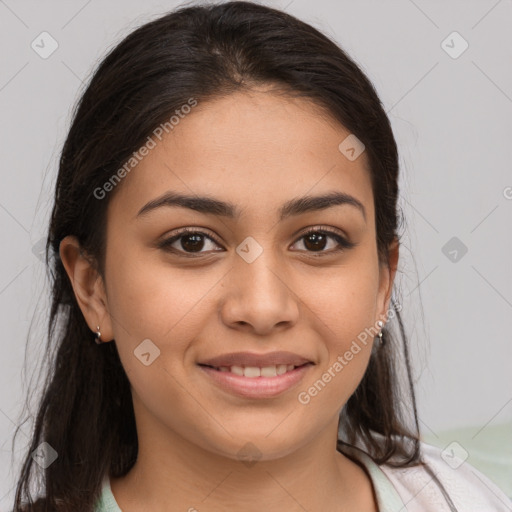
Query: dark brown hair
{"points": [[204, 52]]}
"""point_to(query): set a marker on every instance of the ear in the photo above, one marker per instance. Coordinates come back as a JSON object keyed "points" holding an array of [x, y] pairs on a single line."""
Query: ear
{"points": [[88, 286], [386, 280]]}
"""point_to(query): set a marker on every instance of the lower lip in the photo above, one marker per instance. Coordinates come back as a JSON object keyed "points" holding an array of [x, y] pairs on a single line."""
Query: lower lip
{"points": [[257, 387]]}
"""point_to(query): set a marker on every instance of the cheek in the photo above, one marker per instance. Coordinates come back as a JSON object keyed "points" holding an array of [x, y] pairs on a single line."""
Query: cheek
{"points": [[344, 301], [342, 308], [355, 315], [343, 322], [150, 298]]}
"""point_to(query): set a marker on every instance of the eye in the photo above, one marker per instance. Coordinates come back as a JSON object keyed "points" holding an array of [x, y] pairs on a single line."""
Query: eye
{"points": [[317, 238], [190, 242], [187, 240]]}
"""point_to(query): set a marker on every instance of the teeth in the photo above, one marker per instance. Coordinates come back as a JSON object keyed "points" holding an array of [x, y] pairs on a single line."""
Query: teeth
{"points": [[282, 368], [254, 371], [237, 370], [251, 371], [269, 371]]}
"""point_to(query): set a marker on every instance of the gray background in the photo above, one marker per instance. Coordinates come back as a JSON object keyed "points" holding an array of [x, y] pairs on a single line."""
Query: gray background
{"points": [[452, 118]]}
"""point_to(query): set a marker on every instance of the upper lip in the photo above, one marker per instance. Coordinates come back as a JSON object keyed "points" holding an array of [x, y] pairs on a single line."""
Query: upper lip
{"points": [[257, 360]]}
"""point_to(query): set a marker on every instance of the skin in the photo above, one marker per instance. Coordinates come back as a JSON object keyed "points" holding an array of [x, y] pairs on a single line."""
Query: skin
{"points": [[257, 150]]}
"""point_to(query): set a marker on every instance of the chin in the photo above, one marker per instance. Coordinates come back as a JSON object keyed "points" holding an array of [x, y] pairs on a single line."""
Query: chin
{"points": [[257, 448]]}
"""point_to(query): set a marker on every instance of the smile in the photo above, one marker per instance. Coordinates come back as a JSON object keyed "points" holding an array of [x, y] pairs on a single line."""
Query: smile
{"points": [[256, 382]]}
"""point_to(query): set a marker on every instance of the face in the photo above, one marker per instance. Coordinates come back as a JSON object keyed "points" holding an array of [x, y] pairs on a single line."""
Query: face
{"points": [[254, 281]]}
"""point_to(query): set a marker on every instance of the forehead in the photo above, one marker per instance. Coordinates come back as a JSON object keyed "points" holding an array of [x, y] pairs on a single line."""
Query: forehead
{"points": [[254, 149]]}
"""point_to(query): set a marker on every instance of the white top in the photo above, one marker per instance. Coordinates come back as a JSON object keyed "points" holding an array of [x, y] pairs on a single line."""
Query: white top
{"points": [[409, 489]]}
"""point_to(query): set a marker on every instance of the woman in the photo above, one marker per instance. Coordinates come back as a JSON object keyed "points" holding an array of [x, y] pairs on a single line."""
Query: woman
{"points": [[225, 229]]}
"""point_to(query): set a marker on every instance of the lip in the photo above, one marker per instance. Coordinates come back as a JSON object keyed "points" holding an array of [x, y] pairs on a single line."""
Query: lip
{"points": [[256, 387], [254, 359]]}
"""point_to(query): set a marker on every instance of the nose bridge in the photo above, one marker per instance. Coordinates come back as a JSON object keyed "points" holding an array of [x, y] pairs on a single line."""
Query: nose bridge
{"points": [[257, 264], [257, 291]]}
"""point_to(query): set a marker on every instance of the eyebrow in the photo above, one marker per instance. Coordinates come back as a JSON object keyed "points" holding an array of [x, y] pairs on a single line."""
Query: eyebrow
{"points": [[212, 206]]}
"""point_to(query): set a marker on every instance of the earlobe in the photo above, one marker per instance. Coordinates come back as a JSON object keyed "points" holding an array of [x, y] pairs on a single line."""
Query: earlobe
{"points": [[388, 278], [87, 286]]}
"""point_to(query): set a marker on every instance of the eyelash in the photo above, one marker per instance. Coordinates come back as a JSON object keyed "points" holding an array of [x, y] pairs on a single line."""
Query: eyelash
{"points": [[342, 242]]}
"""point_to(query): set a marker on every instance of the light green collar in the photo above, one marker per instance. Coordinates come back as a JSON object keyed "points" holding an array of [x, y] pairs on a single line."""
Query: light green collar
{"points": [[388, 499]]}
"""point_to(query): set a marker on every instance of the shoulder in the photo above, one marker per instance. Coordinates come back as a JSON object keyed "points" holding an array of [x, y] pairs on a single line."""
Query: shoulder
{"points": [[467, 488]]}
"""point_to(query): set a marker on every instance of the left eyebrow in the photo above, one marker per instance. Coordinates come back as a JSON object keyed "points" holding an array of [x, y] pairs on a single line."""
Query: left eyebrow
{"points": [[212, 206]]}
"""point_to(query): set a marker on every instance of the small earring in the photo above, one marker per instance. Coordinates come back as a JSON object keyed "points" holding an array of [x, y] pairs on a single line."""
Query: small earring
{"points": [[382, 341], [98, 335]]}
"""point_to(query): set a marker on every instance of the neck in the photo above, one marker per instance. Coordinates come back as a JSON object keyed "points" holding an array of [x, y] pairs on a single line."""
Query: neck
{"points": [[174, 474]]}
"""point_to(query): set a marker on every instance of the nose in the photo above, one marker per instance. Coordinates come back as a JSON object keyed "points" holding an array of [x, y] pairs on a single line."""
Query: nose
{"points": [[259, 296]]}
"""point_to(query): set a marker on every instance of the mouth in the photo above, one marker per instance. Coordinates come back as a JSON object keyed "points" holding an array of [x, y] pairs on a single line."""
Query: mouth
{"points": [[256, 382]]}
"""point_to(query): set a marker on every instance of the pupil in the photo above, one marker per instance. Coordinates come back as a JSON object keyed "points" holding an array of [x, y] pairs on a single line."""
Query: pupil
{"points": [[197, 242], [316, 237]]}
